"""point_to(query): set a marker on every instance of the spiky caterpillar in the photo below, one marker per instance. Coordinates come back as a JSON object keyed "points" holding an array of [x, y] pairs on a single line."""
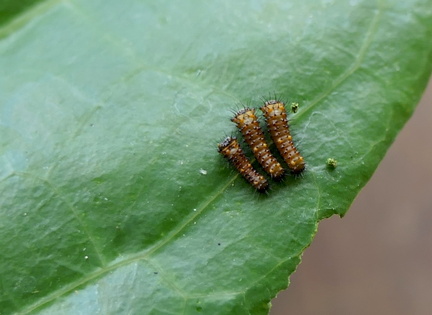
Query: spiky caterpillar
{"points": [[248, 124], [277, 123], [232, 151]]}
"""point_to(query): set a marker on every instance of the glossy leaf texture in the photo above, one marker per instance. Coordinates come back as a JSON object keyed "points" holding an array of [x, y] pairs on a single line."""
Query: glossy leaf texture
{"points": [[114, 198]]}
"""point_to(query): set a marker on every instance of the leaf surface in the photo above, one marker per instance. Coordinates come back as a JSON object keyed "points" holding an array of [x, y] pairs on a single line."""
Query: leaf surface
{"points": [[114, 198]]}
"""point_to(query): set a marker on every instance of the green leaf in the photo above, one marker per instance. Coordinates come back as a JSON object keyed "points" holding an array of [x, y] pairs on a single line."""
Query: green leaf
{"points": [[10, 8], [114, 198]]}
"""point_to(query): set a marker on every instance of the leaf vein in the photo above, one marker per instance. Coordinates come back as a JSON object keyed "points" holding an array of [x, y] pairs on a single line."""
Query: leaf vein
{"points": [[352, 68]]}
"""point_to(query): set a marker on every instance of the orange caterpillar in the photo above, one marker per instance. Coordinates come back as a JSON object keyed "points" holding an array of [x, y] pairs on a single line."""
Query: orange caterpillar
{"points": [[277, 123], [249, 126], [231, 150]]}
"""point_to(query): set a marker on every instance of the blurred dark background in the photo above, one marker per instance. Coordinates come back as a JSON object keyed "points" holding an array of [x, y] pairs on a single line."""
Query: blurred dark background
{"points": [[378, 258]]}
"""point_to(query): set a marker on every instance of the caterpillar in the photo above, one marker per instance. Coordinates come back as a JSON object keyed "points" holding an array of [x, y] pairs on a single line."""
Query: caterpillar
{"points": [[232, 151], [277, 123], [247, 123]]}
